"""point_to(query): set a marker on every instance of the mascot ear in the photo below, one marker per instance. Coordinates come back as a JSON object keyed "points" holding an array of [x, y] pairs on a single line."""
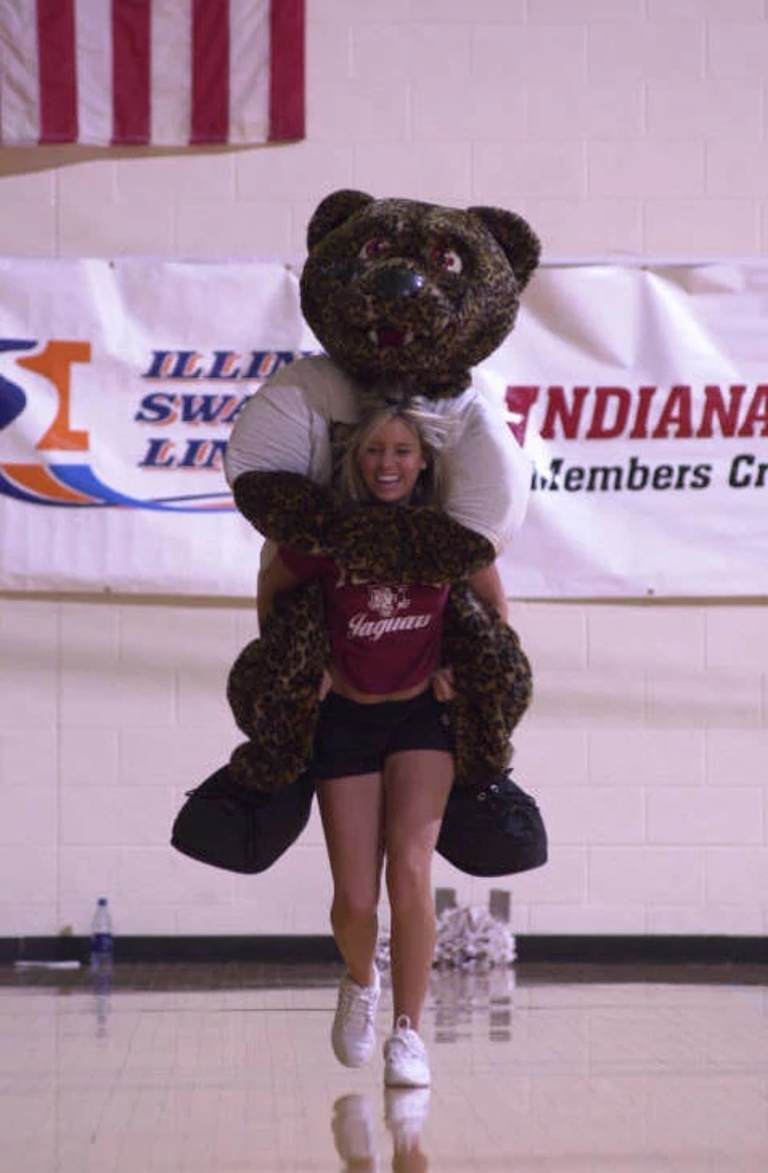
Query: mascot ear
{"points": [[333, 211], [520, 243]]}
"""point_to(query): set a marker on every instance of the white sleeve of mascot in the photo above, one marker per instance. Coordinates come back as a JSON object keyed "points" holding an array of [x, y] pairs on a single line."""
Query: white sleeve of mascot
{"points": [[284, 426], [489, 475]]}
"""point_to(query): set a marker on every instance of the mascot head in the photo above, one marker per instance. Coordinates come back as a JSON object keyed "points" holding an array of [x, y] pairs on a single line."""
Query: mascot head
{"points": [[407, 297]]}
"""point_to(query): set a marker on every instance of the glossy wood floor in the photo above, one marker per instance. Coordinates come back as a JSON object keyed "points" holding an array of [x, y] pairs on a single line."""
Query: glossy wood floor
{"points": [[196, 1069]]}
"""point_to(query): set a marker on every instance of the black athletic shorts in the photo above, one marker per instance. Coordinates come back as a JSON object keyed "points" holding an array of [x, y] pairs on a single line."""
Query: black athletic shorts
{"points": [[356, 739]]}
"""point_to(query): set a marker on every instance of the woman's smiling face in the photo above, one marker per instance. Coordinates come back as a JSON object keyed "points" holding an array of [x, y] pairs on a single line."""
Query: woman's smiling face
{"points": [[390, 462]]}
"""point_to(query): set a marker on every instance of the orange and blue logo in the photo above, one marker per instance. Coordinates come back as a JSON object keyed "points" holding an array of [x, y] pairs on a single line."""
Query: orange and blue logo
{"points": [[197, 389]]}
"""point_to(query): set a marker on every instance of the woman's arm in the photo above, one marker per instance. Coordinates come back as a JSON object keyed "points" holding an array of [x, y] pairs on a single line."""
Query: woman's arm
{"points": [[487, 585], [274, 579]]}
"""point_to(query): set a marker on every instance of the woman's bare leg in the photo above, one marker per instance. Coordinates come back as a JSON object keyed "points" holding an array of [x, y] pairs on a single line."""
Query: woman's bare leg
{"points": [[416, 788], [351, 811]]}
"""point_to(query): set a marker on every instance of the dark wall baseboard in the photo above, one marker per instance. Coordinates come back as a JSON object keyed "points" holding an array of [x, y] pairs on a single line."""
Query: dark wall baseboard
{"points": [[282, 950], [642, 950], [311, 950]]}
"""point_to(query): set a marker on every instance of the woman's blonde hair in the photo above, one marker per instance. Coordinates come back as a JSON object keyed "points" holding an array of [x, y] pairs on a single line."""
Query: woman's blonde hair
{"points": [[431, 432]]}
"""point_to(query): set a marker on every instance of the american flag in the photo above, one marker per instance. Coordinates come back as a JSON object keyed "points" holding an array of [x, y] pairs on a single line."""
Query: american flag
{"points": [[156, 72]]}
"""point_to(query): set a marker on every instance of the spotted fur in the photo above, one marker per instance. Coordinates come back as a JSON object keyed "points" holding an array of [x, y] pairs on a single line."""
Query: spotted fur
{"points": [[406, 297], [273, 690], [494, 686], [421, 544]]}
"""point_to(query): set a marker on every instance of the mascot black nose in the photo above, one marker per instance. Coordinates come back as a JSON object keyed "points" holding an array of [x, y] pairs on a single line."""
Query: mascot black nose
{"points": [[396, 282]]}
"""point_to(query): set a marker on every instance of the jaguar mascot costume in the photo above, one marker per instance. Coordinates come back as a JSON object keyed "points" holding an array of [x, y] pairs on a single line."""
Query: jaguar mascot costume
{"points": [[405, 298]]}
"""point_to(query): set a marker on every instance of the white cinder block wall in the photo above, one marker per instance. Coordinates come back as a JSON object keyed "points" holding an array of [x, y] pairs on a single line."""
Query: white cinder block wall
{"points": [[618, 127]]}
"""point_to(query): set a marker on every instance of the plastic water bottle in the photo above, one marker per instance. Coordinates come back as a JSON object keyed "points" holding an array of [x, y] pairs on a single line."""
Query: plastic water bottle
{"points": [[102, 938]]}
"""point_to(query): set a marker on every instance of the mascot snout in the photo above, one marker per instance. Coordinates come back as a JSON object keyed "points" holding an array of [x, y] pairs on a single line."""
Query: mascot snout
{"points": [[394, 281]]}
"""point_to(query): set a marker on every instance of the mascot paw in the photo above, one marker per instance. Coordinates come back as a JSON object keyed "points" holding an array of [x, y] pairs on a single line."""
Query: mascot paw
{"points": [[288, 508]]}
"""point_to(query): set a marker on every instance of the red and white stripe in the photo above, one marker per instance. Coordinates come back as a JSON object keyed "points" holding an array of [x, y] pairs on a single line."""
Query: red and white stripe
{"points": [[157, 72]]}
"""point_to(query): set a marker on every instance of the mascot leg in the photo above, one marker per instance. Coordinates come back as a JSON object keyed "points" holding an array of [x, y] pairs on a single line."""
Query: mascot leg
{"points": [[493, 686], [273, 689]]}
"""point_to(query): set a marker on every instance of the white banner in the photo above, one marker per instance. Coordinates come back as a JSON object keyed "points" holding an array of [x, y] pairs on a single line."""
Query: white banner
{"points": [[119, 384], [639, 394]]}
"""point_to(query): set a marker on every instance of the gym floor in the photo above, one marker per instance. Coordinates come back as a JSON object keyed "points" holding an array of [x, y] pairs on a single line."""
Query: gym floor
{"points": [[228, 1068]]}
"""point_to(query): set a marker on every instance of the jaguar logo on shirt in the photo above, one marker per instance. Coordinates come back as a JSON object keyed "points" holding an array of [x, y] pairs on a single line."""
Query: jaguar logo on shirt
{"points": [[388, 600], [382, 615]]}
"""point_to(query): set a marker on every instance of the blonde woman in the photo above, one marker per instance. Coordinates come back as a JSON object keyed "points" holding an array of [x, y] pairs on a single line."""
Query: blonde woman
{"points": [[383, 755]]}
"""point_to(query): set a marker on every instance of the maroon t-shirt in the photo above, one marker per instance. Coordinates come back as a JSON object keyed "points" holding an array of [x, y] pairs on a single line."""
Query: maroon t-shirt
{"points": [[383, 638]]}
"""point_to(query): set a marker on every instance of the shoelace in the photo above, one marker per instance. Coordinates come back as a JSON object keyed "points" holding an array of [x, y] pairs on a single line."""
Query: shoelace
{"points": [[405, 1038], [358, 1006]]}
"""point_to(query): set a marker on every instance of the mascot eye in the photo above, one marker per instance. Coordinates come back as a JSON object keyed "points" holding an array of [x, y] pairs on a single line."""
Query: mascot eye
{"points": [[377, 246], [445, 257]]}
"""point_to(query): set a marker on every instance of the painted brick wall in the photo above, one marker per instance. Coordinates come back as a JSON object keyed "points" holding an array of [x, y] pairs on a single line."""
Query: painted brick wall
{"points": [[619, 128]]}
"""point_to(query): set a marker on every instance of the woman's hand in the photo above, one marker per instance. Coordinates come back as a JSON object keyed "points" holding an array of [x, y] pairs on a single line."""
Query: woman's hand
{"points": [[325, 684], [442, 684]]}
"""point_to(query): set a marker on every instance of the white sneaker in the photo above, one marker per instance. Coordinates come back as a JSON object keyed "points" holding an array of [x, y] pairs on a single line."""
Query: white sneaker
{"points": [[353, 1035], [354, 1133], [405, 1110], [405, 1057]]}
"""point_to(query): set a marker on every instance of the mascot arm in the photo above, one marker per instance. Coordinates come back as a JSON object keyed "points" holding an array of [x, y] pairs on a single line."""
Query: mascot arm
{"points": [[390, 545], [410, 545]]}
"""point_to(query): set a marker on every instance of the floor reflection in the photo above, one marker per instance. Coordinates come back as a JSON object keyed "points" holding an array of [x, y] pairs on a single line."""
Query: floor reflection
{"points": [[353, 1124], [469, 1001], [100, 974], [226, 1072]]}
